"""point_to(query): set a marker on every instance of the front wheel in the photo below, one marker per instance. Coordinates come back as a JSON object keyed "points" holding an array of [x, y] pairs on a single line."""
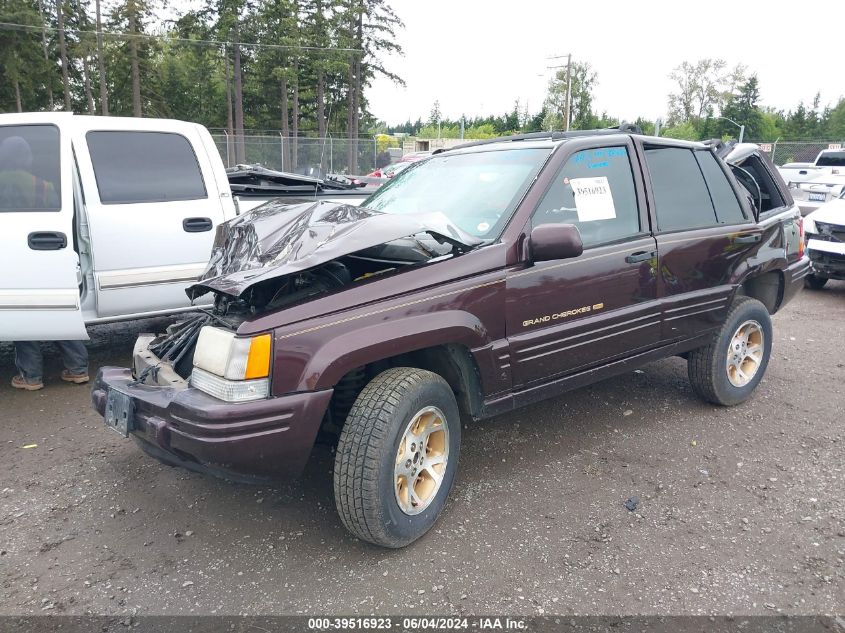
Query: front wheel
{"points": [[814, 282], [731, 366], [397, 457]]}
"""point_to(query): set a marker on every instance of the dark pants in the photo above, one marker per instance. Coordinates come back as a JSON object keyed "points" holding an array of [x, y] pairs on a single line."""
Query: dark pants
{"points": [[30, 362]]}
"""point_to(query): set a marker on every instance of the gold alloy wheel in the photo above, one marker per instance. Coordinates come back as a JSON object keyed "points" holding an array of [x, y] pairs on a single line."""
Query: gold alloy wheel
{"points": [[421, 460], [745, 353]]}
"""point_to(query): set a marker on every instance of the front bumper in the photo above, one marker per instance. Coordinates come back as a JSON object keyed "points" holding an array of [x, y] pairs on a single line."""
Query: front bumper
{"points": [[251, 441], [827, 257]]}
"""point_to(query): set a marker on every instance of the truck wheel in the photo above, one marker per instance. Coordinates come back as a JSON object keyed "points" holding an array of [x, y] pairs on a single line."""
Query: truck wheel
{"points": [[814, 282], [397, 456], [728, 369]]}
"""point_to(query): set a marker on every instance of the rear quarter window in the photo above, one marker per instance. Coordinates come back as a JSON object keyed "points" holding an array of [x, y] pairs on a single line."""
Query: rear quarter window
{"points": [[30, 177], [728, 209], [134, 167], [681, 198]]}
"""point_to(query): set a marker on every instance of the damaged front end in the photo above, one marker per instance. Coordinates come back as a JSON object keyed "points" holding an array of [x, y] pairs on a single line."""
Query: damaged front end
{"points": [[279, 255]]}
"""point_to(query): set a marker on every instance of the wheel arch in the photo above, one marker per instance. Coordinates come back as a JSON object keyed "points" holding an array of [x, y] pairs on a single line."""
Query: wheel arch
{"points": [[766, 287]]}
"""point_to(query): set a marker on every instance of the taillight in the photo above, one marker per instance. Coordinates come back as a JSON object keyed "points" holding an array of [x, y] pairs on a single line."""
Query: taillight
{"points": [[801, 243]]}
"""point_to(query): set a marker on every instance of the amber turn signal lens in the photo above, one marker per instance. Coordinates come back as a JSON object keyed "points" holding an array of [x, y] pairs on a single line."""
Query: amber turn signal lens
{"points": [[258, 362]]}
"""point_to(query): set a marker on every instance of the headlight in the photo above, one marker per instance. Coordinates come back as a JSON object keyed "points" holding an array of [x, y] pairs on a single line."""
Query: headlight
{"points": [[235, 369]]}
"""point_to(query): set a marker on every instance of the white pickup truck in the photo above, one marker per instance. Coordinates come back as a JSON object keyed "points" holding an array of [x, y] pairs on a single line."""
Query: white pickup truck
{"points": [[104, 219], [829, 161], [814, 184]]}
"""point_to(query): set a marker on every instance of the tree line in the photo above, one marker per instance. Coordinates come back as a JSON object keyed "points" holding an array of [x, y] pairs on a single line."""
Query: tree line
{"points": [[302, 67], [706, 93], [298, 66]]}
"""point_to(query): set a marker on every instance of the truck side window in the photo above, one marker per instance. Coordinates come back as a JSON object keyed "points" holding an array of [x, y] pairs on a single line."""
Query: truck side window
{"points": [[728, 209], [29, 168], [133, 167], [680, 194], [595, 191]]}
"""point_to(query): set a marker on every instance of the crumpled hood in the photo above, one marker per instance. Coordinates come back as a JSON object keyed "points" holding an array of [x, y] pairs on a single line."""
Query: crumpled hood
{"points": [[279, 238]]}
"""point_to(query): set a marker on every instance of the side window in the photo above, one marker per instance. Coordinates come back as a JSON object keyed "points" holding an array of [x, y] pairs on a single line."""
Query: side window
{"points": [[29, 168], [728, 209], [144, 167], [595, 191], [680, 194]]}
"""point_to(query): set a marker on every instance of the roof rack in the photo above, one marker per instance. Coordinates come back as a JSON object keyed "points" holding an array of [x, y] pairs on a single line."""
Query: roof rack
{"points": [[625, 128]]}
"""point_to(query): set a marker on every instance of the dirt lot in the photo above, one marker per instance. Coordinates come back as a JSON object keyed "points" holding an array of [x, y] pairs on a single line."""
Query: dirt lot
{"points": [[742, 510]]}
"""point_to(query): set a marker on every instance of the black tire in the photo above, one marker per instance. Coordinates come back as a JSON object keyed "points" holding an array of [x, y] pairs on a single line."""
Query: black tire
{"points": [[814, 282], [364, 479], [707, 366]]}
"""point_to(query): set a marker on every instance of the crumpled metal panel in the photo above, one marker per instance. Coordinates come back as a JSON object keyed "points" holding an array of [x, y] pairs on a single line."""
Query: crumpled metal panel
{"points": [[280, 238]]}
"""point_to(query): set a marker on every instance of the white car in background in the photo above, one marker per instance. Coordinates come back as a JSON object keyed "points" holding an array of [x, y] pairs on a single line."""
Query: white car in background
{"points": [[829, 161], [825, 234], [818, 191]]}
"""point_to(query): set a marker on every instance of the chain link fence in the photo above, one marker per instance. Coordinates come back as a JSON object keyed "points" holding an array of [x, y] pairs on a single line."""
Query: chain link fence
{"points": [[299, 154], [784, 152]]}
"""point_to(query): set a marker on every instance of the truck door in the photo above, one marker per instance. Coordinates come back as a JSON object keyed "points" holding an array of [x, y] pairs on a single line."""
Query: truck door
{"points": [[568, 315], [152, 205], [39, 284]]}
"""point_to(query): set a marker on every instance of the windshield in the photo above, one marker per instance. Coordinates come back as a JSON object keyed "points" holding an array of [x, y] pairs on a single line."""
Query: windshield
{"points": [[477, 192], [831, 159]]}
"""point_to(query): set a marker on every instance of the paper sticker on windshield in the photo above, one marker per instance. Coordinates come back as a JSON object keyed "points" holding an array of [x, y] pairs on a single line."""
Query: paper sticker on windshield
{"points": [[593, 199]]}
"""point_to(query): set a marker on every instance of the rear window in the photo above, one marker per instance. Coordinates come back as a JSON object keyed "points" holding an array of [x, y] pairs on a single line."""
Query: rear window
{"points": [[681, 197], [728, 210], [133, 167], [29, 168], [831, 159]]}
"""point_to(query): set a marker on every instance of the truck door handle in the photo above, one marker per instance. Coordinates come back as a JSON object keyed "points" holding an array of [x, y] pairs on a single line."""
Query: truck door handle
{"points": [[749, 238], [640, 256], [46, 240], [197, 225]]}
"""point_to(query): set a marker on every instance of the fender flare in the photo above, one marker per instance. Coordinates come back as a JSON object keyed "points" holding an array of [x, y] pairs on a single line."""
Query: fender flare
{"points": [[341, 354]]}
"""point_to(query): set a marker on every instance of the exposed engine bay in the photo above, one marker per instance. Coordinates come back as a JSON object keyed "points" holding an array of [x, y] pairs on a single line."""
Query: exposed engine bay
{"points": [[279, 255], [363, 266]]}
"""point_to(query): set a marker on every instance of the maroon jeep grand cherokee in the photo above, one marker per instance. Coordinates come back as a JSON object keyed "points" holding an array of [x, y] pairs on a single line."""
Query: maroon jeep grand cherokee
{"points": [[485, 278]]}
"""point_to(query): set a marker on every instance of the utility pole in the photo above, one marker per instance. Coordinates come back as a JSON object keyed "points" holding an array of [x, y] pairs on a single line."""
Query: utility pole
{"points": [[568, 89], [568, 105], [101, 65]]}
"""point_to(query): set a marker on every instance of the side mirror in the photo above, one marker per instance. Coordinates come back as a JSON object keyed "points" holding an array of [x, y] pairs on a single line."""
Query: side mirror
{"points": [[555, 241]]}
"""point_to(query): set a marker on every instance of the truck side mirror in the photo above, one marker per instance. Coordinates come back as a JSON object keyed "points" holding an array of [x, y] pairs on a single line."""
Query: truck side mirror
{"points": [[555, 241]]}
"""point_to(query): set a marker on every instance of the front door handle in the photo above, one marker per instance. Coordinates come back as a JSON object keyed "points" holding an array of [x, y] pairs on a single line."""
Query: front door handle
{"points": [[640, 256], [46, 240], [197, 225], [748, 238]]}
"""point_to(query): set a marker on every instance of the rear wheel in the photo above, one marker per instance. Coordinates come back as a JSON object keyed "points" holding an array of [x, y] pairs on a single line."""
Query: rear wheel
{"points": [[397, 457], [814, 282], [731, 366]]}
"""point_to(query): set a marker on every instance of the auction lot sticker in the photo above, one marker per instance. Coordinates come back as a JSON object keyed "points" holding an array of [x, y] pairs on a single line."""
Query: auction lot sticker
{"points": [[593, 199]]}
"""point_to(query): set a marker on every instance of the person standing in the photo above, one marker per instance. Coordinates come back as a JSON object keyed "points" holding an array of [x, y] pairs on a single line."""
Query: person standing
{"points": [[30, 363]]}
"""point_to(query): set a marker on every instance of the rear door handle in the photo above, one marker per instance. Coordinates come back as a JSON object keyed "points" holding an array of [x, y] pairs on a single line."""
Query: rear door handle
{"points": [[197, 225], [640, 256], [46, 240], [748, 238]]}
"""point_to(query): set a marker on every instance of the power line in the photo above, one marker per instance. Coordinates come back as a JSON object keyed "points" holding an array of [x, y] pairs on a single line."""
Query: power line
{"points": [[11, 26]]}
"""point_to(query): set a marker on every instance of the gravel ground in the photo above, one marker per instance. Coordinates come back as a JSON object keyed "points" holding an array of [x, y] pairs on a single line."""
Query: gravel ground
{"points": [[742, 510]]}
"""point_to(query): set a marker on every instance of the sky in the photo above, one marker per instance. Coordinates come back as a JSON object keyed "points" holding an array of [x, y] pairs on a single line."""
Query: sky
{"points": [[477, 57]]}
